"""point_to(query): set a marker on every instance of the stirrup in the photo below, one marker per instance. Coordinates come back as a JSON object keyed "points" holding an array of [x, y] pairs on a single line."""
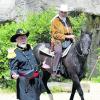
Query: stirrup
{"points": [[45, 66]]}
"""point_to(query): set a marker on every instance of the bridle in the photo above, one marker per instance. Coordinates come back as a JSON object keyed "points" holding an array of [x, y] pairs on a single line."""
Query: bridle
{"points": [[81, 55], [78, 53]]}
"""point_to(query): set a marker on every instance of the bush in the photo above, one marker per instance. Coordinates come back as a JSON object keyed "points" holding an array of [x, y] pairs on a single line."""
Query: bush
{"points": [[77, 23]]}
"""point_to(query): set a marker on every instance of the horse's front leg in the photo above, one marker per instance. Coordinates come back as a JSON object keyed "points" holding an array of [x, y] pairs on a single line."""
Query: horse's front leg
{"points": [[73, 92], [46, 76], [49, 92], [76, 82]]}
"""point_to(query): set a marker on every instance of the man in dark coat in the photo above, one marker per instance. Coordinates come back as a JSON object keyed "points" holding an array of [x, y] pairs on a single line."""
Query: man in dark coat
{"points": [[24, 68]]}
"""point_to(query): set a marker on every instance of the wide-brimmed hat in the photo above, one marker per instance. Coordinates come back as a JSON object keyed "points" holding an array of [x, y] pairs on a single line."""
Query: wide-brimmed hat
{"points": [[63, 8], [19, 32]]}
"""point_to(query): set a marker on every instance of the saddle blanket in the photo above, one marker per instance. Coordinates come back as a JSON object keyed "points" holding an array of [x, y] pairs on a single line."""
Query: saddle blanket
{"points": [[48, 52]]}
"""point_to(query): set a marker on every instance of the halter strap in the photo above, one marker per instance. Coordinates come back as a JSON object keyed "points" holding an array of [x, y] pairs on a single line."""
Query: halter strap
{"points": [[81, 55]]}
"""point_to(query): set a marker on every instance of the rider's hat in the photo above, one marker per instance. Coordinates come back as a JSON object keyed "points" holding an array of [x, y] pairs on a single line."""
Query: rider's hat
{"points": [[63, 7]]}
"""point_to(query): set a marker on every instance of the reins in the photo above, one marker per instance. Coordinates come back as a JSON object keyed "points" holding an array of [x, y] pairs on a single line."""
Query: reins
{"points": [[81, 55]]}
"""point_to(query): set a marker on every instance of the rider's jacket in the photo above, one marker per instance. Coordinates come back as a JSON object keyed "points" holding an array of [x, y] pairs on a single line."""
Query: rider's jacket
{"points": [[59, 30]]}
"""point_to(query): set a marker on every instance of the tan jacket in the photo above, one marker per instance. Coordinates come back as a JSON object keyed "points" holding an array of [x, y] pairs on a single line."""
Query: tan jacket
{"points": [[58, 30]]}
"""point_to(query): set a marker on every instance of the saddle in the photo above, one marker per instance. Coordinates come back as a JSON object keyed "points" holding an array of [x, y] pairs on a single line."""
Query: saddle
{"points": [[46, 50]]}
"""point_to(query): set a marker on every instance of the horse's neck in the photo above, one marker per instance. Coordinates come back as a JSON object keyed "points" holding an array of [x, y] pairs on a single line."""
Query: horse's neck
{"points": [[79, 53], [77, 47]]}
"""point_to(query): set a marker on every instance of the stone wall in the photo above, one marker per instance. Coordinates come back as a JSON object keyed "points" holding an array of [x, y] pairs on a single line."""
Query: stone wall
{"points": [[7, 11], [93, 25], [13, 9]]}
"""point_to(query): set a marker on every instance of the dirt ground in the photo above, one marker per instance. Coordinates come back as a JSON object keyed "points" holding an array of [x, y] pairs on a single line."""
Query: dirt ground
{"points": [[93, 94]]}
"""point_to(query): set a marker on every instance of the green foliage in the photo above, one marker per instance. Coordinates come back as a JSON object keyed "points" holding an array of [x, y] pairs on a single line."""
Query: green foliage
{"points": [[77, 23], [96, 79], [97, 66], [39, 26], [7, 84]]}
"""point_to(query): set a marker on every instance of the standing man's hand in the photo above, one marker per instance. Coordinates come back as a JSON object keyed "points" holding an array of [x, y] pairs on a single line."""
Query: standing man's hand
{"points": [[15, 76]]}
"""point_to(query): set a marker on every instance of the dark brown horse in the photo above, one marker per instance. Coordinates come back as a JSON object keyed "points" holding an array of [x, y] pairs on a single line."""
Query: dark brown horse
{"points": [[73, 63]]}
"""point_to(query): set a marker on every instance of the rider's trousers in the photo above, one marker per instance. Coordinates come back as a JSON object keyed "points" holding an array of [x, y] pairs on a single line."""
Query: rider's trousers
{"points": [[58, 53]]}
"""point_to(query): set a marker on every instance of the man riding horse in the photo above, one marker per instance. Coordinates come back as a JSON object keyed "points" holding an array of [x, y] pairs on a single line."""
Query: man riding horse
{"points": [[61, 30], [73, 65]]}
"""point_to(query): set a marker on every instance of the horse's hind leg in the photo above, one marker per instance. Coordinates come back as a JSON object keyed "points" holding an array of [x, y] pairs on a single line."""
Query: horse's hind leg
{"points": [[76, 82], [73, 92], [46, 76]]}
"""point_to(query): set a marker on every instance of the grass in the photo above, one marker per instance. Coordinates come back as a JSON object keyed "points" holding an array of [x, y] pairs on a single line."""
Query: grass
{"points": [[56, 89], [6, 90], [95, 79]]}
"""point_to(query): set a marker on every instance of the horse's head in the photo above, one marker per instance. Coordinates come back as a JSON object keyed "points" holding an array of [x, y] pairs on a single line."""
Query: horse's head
{"points": [[85, 42]]}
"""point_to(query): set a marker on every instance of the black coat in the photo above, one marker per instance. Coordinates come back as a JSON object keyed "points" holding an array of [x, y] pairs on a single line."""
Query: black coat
{"points": [[24, 61]]}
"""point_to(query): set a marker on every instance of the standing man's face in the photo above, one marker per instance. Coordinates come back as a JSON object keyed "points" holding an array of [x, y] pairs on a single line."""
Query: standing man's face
{"points": [[62, 14], [21, 39]]}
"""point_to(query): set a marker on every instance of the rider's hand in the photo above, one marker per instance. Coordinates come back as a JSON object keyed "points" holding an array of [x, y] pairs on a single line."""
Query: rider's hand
{"points": [[71, 37], [15, 76]]}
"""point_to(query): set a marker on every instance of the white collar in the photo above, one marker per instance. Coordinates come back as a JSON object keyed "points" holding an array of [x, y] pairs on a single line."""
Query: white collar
{"points": [[22, 45], [63, 18]]}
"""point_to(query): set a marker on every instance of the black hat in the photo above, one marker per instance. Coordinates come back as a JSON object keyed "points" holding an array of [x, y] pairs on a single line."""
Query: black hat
{"points": [[19, 32]]}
